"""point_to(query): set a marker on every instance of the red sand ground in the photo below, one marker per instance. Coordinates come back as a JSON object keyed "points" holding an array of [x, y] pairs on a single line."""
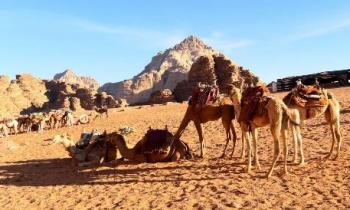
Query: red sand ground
{"points": [[35, 174]]}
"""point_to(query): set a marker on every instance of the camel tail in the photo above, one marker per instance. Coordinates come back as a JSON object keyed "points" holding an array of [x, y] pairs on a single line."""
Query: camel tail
{"points": [[292, 114]]}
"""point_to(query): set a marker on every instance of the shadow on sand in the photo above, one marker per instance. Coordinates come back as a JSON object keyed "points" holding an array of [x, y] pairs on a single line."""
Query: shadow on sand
{"points": [[53, 172]]}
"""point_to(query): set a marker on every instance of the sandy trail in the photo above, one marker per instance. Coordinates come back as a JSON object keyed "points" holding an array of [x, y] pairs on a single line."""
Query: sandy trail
{"points": [[35, 174]]}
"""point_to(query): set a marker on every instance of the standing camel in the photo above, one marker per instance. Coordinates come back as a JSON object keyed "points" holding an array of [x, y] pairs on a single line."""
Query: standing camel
{"points": [[223, 108], [311, 102], [272, 112]]}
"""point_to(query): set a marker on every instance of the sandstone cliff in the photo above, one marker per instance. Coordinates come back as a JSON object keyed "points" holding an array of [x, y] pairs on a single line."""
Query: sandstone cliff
{"points": [[165, 70], [69, 77]]}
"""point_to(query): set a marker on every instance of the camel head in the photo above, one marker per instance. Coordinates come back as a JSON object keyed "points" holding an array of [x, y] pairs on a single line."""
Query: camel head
{"points": [[64, 139], [235, 94]]}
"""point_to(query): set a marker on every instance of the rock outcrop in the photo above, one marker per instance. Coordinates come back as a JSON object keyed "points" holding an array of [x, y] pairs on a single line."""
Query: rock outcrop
{"points": [[165, 71], [161, 96], [213, 70], [28, 94], [24, 93], [69, 77]]}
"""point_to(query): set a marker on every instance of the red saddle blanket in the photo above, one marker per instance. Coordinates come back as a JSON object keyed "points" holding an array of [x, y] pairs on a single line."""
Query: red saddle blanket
{"points": [[204, 96], [253, 102]]}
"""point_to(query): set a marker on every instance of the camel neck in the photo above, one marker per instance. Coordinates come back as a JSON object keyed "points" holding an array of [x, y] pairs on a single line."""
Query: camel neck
{"points": [[125, 151]]}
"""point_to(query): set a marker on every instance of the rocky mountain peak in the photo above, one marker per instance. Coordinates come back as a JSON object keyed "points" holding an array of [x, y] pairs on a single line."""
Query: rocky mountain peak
{"points": [[191, 43], [69, 77]]}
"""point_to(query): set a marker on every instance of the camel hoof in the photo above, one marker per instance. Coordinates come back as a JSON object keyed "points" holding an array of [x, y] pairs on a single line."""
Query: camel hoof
{"points": [[222, 156], [327, 157], [268, 176], [258, 167], [302, 163], [335, 158]]}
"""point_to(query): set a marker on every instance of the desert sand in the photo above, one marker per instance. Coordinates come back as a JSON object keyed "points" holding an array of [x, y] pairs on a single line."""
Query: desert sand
{"points": [[36, 174]]}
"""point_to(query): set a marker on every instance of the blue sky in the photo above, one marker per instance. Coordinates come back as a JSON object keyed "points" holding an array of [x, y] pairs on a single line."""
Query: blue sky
{"points": [[113, 40]]}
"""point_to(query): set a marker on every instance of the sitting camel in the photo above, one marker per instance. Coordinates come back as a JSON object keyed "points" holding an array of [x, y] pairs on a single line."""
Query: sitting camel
{"points": [[99, 151], [267, 111], [157, 146], [201, 113], [83, 119], [310, 102]]}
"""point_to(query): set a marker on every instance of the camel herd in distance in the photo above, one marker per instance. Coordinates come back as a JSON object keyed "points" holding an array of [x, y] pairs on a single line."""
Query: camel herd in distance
{"points": [[38, 121], [252, 107]]}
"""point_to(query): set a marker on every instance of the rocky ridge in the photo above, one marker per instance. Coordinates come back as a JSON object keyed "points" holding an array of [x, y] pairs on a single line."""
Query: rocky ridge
{"points": [[69, 77], [165, 70]]}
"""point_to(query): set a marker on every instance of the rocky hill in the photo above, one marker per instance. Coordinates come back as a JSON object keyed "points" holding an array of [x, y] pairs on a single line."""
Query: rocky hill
{"points": [[27, 94], [69, 77], [165, 70], [24, 93], [169, 68]]}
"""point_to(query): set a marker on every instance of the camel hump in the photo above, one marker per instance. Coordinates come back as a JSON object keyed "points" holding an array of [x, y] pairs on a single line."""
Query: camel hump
{"points": [[253, 102], [157, 141]]}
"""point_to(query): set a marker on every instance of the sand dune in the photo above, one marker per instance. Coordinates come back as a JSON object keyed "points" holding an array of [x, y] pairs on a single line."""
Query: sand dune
{"points": [[35, 174]]}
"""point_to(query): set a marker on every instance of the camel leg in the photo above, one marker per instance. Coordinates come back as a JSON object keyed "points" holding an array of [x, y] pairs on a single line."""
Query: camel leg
{"points": [[233, 130], [275, 130], [333, 142], [285, 149], [249, 160], [201, 139], [176, 156], [228, 137], [337, 135], [295, 143], [256, 158], [243, 147], [184, 123], [300, 140]]}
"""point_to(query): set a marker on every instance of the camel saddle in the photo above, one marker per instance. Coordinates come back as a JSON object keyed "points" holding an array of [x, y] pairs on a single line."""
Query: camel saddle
{"points": [[156, 141], [97, 139], [253, 102], [308, 96], [204, 95]]}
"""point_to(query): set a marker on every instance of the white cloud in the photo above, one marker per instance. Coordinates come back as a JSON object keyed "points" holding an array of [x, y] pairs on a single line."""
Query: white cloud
{"points": [[321, 31], [163, 39]]}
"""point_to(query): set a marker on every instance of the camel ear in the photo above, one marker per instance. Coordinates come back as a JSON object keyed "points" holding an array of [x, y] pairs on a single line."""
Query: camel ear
{"points": [[149, 128], [166, 127]]}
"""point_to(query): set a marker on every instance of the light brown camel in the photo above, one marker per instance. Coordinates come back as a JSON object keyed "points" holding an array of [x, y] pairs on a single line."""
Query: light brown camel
{"points": [[311, 102], [3, 130], [12, 124], [223, 108], [97, 153], [156, 146], [101, 111], [276, 114]]}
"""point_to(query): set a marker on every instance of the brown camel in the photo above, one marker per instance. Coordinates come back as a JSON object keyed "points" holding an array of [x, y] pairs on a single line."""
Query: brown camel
{"points": [[311, 102], [101, 111], [276, 114], [156, 146], [223, 108]]}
